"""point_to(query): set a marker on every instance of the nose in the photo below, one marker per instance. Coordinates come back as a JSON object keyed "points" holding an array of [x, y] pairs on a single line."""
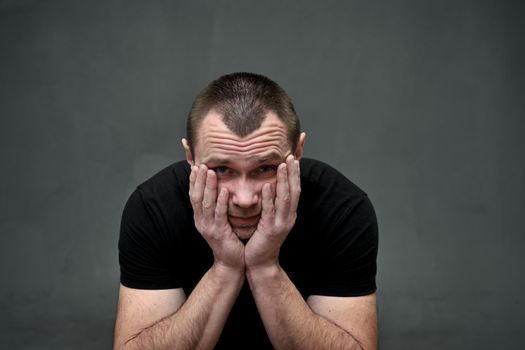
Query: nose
{"points": [[245, 194]]}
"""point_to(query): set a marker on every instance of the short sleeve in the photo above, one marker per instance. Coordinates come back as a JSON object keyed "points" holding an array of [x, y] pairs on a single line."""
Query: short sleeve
{"points": [[143, 255], [348, 262]]}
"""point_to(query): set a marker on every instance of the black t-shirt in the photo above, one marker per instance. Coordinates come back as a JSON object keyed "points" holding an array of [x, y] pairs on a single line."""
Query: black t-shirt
{"points": [[330, 251]]}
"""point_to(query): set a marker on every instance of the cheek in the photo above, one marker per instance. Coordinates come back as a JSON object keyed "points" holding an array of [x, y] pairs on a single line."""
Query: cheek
{"points": [[272, 181], [258, 186]]}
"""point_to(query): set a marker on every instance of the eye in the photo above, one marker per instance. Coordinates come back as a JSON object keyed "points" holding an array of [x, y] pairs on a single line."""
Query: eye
{"points": [[266, 170], [221, 170], [263, 169]]}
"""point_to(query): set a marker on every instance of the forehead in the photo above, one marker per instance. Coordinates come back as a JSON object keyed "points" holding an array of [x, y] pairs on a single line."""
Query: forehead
{"points": [[216, 141]]}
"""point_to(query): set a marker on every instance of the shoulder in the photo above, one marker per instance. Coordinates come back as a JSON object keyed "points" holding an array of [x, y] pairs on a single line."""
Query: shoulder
{"points": [[172, 177], [330, 196], [168, 188], [164, 195], [320, 177]]}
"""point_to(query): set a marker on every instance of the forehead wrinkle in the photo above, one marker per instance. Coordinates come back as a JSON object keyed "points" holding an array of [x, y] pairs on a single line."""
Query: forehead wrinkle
{"points": [[234, 144], [225, 135], [268, 154], [258, 148], [230, 143], [230, 136]]}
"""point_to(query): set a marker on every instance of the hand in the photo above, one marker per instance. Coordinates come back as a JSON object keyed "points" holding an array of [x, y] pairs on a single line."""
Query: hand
{"points": [[211, 220], [277, 217]]}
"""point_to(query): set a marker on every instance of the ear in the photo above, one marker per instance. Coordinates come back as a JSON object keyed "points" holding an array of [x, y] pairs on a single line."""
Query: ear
{"points": [[187, 151], [300, 146]]}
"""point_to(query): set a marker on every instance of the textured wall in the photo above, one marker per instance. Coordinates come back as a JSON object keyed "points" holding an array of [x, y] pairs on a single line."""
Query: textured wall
{"points": [[418, 102]]}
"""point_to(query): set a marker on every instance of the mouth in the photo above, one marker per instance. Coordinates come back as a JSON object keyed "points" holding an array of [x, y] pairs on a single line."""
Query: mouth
{"points": [[244, 221]]}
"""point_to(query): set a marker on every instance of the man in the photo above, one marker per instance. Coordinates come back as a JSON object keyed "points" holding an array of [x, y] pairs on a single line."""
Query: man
{"points": [[247, 244]]}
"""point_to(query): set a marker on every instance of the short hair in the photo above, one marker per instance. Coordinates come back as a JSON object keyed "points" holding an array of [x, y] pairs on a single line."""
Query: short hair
{"points": [[243, 100]]}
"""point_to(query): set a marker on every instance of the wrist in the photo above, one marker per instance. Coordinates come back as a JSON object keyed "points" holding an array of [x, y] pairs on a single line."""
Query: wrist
{"points": [[228, 272], [266, 271], [265, 279]]}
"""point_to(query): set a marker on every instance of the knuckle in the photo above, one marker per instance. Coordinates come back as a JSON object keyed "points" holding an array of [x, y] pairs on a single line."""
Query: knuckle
{"points": [[214, 235], [280, 228], [269, 213], [195, 194], [199, 227]]}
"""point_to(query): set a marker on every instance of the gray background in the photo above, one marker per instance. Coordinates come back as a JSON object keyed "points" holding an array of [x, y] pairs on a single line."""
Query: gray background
{"points": [[420, 103]]}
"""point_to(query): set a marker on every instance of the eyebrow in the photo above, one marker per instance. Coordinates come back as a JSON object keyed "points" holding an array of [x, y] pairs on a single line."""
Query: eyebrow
{"points": [[268, 157], [216, 160]]}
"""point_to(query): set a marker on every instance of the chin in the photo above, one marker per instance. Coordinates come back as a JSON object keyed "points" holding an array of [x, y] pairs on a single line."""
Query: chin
{"points": [[244, 233]]}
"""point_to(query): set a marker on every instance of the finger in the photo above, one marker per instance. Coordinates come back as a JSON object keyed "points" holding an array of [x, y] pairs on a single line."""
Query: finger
{"points": [[210, 194], [267, 203], [221, 209], [282, 197], [193, 176], [294, 181], [200, 183], [197, 191]]}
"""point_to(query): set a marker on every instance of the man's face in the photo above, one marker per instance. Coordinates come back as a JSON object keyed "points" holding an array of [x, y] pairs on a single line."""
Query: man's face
{"points": [[242, 164]]}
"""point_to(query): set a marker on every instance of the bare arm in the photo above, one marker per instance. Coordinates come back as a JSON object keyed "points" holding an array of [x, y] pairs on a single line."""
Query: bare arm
{"points": [[153, 319], [164, 319], [322, 323]]}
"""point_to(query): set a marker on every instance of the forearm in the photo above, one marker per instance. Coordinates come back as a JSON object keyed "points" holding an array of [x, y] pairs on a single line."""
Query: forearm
{"points": [[200, 320], [289, 321]]}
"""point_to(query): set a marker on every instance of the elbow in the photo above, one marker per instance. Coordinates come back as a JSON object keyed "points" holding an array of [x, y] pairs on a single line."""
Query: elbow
{"points": [[126, 344]]}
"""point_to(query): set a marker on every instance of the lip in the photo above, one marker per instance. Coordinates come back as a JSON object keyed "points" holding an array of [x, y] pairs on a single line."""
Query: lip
{"points": [[244, 221]]}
